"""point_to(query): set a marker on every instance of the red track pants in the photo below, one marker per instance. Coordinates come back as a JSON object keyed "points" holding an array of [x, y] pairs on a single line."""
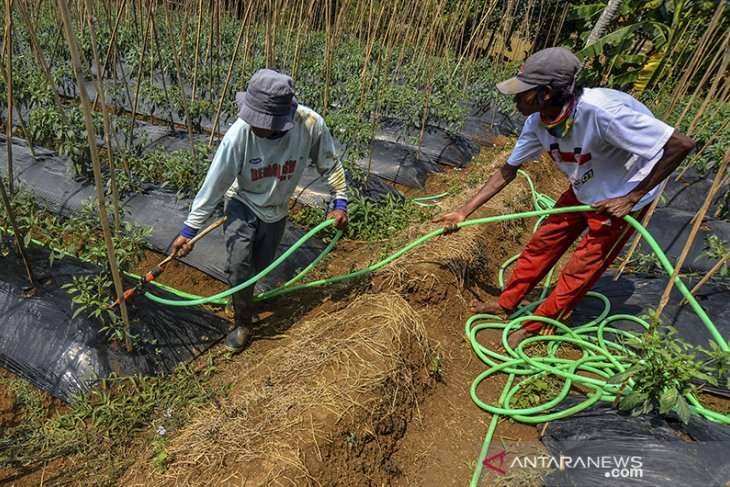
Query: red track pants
{"points": [[596, 251]]}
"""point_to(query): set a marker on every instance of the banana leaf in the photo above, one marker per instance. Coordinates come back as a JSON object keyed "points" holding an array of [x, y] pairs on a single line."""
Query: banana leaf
{"points": [[614, 37], [648, 71], [586, 12], [659, 33], [625, 78]]}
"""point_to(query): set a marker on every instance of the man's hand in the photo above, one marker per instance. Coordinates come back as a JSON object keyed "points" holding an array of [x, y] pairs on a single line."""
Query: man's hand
{"points": [[340, 218], [615, 207], [181, 247], [450, 221]]}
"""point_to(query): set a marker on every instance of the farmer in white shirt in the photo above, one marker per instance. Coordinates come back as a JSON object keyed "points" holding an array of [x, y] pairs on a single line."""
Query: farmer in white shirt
{"points": [[614, 154], [257, 167]]}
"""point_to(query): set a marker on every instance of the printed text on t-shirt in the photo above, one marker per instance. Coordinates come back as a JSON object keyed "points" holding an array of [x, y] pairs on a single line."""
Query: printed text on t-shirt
{"points": [[276, 170]]}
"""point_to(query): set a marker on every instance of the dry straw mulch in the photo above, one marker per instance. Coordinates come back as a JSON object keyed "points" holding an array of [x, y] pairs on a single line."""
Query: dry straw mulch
{"points": [[342, 366]]}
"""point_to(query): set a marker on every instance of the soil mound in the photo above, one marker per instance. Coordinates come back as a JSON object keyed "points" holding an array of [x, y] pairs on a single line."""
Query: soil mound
{"points": [[345, 388]]}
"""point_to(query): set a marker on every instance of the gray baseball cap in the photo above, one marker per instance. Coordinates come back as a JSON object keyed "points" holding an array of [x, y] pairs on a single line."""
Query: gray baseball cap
{"points": [[555, 65], [269, 101]]}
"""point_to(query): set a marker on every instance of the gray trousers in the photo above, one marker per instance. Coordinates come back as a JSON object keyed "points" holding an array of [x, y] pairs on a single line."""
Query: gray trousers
{"points": [[251, 244]]}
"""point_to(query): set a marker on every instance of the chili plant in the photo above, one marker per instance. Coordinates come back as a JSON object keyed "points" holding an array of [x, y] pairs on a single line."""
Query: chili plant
{"points": [[716, 248], [179, 169], [665, 369], [370, 218], [90, 295]]}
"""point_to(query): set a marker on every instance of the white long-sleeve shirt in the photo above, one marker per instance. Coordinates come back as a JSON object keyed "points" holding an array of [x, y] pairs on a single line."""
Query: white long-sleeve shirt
{"points": [[263, 173]]}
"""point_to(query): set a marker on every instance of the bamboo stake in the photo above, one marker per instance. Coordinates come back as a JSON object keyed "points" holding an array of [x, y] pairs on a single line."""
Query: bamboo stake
{"points": [[140, 67], [701, 49], [56, 45], [289, 30], [718, 265], [8, 44], [710, 69], [163, 77], [105, 115], [637, 238], [107, 12], [209, 53], [328, 48], [298, 43], [697, 155], [40, 58], [368, 52], [724, 201], [246, 51], [476, 33], [27, 134], [695, 228], [12, 102], [664, 88], [720, 75], [376, 116], [184, 31], [16, 232], [271, 33], [218, 49], [197, 49], [9, 87], [708, 97], [178, 68], [723, 99], [424, 117], [650, 212], [98, 182], [112, 44], [224, 92]]}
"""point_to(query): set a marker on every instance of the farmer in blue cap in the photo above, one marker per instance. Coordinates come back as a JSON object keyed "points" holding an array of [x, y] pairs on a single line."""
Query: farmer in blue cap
{"points": [[613, 152], [257, 167]]}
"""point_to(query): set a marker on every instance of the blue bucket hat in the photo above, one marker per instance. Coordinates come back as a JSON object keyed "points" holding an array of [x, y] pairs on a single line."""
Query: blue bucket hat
{"points": [[269, 101]]}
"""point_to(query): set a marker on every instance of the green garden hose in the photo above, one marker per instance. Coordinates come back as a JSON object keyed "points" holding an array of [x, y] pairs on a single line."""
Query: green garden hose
{"points": [[431, 199], [529, 214], [601, 357]]}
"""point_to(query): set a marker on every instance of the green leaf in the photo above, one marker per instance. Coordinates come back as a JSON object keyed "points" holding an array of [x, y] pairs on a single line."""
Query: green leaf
{"points": [[614, 37], [660, 34], [632, 58], [706, 378], [668, 400], [630, 400], [625, 78], [645, 408], [585, 12], [650, 4], [682, 409]]}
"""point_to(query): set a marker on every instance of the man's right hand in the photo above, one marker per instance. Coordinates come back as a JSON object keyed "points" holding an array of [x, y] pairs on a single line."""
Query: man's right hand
{"points": [[450, 221], [181, 247]]}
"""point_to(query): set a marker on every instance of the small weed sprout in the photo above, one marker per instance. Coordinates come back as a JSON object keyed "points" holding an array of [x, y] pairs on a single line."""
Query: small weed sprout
{"points": [[351, 439], [535, 391], [435, 369]]}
